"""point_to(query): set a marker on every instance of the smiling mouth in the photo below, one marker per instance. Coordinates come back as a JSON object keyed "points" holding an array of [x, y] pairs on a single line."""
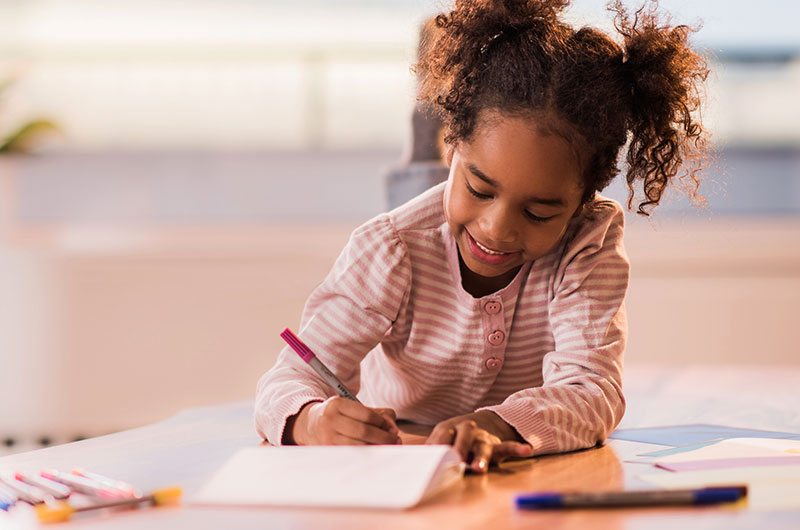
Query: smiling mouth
{"points": [[488, 255], [488, 250]]}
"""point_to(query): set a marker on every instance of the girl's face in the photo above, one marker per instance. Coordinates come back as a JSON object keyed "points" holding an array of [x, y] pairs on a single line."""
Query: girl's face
{"points": [[509, 198]]}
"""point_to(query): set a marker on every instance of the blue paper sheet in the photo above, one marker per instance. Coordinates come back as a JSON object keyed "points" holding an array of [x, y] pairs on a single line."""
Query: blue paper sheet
{"points": [[679, 435]]}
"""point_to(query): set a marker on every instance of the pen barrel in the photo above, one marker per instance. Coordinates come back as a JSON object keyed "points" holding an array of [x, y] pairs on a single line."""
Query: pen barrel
{"points": [[628, 498], [710, 495], [331, 379]]}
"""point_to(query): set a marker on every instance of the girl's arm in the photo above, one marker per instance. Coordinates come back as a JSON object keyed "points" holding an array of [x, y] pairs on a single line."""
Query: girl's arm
{"points": [[343, 319]]}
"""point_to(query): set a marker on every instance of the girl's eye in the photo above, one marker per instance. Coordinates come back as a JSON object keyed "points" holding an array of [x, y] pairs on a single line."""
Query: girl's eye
{"points": [[479, 195], [535, 218], [529, 215]]}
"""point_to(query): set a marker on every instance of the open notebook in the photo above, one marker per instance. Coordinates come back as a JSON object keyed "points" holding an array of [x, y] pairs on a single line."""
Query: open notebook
{"points": [[377, 476]]}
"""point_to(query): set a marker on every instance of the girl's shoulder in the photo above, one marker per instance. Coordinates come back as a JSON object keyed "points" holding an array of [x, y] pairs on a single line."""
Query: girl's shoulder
{"points": [[600, 224], [419, 219]]}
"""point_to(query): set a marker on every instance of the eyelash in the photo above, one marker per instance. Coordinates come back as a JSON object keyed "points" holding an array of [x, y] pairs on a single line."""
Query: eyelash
{"points": [[482, 196]]}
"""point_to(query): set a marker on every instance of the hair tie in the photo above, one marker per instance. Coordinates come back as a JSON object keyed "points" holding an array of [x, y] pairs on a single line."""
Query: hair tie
{"points": [[490, 41]]}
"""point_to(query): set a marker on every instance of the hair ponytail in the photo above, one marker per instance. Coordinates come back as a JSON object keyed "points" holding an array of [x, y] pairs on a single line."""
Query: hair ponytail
{"points": [[668, 144], [518, 57]]}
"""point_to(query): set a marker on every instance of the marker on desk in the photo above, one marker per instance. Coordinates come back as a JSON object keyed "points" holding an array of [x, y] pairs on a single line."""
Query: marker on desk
{"points": [[23, 491], [62, 511], [612, 499], [83, 485], [123, 488], [56, 489], [7, 498], [308, 356]]}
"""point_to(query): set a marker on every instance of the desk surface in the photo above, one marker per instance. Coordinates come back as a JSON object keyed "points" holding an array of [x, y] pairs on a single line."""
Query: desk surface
{"points": [[187, 448]]}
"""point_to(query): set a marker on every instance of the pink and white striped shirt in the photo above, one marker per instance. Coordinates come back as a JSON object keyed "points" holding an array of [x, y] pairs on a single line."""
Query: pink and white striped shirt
{"points": [[392, 320]]}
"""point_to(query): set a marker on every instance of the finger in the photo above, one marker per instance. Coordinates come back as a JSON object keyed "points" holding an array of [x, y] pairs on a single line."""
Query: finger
{"points": [[511, 450], [482, 449], [443, 433], [341, 439], [390, 420], [465, 438], [363, 414], [389, 413], [365, 432]]}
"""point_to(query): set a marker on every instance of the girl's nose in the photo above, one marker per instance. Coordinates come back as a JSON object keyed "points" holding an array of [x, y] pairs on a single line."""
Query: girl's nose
{"points": [[499, 225]]}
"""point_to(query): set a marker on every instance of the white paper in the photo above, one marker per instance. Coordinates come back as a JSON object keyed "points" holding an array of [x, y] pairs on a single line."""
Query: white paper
{"points": [[738, 448], [768, 488], [378, 476]]}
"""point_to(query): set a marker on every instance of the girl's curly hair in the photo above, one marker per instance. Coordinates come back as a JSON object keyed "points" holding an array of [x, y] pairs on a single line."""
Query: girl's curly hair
{"points": [[517, 57]]}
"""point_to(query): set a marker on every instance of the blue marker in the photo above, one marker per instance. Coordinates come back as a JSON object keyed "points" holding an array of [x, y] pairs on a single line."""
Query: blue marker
{"points": [[613, 499], [7, 498]]}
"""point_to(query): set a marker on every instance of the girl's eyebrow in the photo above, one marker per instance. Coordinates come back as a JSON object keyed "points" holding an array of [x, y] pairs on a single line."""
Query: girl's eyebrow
{"points": [[538, 200]]}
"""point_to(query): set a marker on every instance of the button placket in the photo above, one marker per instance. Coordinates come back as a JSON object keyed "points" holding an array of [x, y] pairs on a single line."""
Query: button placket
{"points": [[496, 335], [492, 307]]}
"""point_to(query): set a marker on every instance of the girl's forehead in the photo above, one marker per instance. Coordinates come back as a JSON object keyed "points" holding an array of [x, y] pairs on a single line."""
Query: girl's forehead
{"points": [[517, 149]]}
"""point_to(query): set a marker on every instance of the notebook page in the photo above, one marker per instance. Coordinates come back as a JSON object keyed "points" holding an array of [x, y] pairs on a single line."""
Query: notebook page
{"points": [[383, 476]]}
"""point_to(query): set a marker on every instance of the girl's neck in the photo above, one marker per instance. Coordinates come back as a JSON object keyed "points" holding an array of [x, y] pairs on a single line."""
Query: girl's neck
{"points": [[479, 286]]}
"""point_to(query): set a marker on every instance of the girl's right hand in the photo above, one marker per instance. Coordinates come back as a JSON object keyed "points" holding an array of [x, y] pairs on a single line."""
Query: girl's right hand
{"points": [[341, 421]]}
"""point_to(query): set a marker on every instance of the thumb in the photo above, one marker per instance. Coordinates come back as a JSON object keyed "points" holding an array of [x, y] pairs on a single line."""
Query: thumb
{"points": [[390, 416], [389, 413], [511, 449]]}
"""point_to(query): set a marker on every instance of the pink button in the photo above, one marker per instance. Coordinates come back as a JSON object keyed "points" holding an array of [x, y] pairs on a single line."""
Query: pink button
{"points": [[493, 363], [496, 337], [492, 307]]}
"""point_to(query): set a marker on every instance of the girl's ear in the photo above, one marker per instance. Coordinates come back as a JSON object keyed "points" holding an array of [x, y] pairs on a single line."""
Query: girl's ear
{"points": [[448, 155]]}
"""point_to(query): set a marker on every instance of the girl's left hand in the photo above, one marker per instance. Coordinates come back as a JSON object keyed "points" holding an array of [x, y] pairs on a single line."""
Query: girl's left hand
{"points": [[481, 438]]}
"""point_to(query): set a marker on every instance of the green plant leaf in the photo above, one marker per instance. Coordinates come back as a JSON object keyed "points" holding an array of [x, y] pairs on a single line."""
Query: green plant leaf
{"points": [[25, 138]]}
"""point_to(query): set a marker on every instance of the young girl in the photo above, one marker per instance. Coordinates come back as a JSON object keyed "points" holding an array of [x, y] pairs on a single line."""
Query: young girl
{"points": [[491, 306]]}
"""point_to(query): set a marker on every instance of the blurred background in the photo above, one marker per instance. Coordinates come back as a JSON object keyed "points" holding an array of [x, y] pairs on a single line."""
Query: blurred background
{"points": [[194, 168]]}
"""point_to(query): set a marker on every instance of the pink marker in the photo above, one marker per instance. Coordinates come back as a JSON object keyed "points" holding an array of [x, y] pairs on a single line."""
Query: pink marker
{"points": [[308, 356], [23, 491], [83, 485], [56, 489], [123, 488]]}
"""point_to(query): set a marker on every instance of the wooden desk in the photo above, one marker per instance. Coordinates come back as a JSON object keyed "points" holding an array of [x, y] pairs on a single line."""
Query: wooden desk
{"points": [[188, 447]]}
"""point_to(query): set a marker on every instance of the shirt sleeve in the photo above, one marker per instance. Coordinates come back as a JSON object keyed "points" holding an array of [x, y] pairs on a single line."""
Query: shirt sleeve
{"points": [[580, 401], [345, 317]]}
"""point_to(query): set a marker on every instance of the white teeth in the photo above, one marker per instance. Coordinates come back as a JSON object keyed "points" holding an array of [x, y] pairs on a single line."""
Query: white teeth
{"points": [[488, 250]]}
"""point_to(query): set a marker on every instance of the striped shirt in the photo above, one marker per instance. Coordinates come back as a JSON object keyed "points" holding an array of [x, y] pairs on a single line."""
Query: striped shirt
{"points": [[392, 320]]}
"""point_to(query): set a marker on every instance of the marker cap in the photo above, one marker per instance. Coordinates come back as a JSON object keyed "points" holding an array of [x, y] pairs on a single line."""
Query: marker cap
{"points": [[720, 494], [540, 500]]}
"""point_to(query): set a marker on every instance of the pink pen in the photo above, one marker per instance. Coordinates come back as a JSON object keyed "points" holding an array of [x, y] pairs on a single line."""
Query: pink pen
{"points": [[308, 356]]}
